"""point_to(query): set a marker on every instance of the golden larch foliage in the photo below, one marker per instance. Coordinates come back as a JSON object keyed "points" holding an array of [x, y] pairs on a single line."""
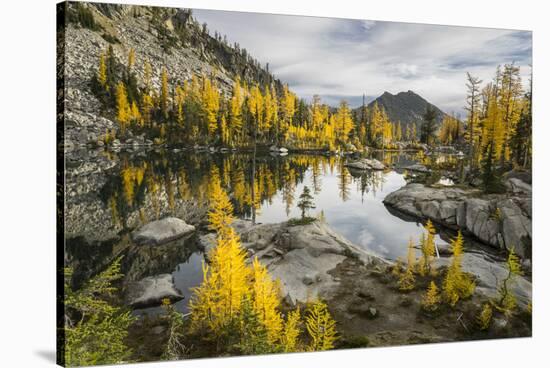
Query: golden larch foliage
{"points": [[123, 108], [220, 215], [320, 327], [164, 93], [457, 284], [427, 246], [344, 122], [102, 72], [507, 301], [211, 104], [431, 299], [266, 301], [485, 317], [291, 332]]}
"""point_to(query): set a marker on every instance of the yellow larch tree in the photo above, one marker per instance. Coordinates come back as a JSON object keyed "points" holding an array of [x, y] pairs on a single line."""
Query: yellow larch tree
{"points": [[211, 104], [123, 108], [485, 317], [256, 107], [135, 115], [431, 299], [235, 123], [164, 93], [457, 284], [493, 124], [288, 108], [427, 246], [220, 215], [270, 111], [510, 96], [180, 101], [506, 301], [266, 301], [102, 72], [407, 279], [320, 327], [344, 121], [147, 104], [317, 116], [291, 332], [225, 134], [376, 129], [387, 132], [216, 303]]}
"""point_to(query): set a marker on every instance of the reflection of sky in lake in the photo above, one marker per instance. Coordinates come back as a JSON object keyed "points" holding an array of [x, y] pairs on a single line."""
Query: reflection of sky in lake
{"points": [[363, 219]]}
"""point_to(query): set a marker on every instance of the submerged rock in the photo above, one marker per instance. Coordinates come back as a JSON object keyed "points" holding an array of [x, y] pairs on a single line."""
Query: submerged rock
{"points": [[161, 231], [502, 221], [366, 164], [151, 290]]}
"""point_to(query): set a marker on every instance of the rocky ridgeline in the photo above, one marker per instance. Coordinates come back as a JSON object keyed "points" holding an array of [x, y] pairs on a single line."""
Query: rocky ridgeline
{"points": [[500, 220]]}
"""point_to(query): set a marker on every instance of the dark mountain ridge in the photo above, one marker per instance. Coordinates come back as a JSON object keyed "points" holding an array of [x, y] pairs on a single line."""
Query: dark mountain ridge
{"points": [[405, 107]]}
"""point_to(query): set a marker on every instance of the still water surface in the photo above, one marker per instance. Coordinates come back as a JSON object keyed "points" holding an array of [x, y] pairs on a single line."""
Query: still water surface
{"points": [[150, 186]]}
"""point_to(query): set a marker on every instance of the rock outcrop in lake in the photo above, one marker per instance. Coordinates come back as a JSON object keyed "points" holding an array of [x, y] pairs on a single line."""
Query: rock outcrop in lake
{"points": [[366, 164], [502, 221], [300, 256], [162, 231]]}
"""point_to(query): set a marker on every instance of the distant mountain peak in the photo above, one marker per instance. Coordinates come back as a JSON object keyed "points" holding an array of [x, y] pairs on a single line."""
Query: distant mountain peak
{"points": [[405, 107]]}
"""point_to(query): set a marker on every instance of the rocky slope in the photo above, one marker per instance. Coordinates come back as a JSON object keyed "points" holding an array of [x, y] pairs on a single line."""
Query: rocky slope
{"points": [[165, 37]]}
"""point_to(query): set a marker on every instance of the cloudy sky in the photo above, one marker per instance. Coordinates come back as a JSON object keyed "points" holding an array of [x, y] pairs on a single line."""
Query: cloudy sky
{"points": [[339, 58]]}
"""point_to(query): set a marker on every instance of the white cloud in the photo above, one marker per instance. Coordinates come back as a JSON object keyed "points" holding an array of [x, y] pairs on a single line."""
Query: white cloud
{"points": [[337, 57]]}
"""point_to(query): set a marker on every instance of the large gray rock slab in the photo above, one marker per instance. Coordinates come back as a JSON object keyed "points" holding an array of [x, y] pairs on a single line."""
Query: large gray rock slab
{"points": [[502, 221], [161, 231], [150, 291]]}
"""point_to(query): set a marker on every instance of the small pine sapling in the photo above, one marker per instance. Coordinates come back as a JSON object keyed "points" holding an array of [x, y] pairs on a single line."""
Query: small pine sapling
{"points": [[306, 202]]}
